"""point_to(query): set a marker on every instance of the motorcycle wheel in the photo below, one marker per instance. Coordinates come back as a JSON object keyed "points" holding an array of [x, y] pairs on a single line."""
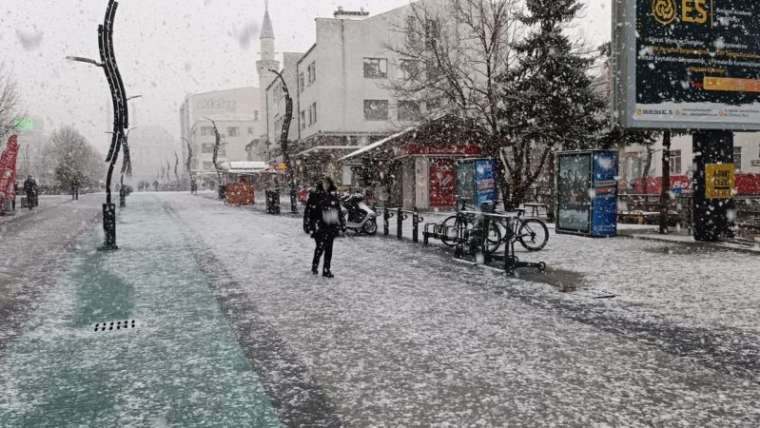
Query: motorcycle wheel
{"points": [[370, 227]]}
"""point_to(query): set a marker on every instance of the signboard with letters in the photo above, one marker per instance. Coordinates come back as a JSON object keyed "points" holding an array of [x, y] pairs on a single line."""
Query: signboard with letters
{"points": [[687, 64], [720, 180]]}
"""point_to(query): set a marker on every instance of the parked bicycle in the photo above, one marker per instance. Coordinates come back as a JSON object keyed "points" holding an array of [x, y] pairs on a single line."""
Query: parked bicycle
{"points": [[531, 233]]}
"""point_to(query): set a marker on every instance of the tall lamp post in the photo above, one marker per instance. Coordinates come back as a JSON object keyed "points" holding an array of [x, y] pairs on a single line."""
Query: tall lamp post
{"points": [[120, 115]]}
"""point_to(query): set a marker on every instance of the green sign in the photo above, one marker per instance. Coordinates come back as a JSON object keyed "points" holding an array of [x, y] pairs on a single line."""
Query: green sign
{"points": [[24, 124]]}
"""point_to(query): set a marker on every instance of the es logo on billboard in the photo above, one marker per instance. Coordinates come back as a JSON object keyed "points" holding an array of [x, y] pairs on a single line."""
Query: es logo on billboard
{"points": [[691, 11]]}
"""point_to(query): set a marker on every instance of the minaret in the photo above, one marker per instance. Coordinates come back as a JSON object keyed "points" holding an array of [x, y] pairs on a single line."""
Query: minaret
{"points": [[266, 63]]}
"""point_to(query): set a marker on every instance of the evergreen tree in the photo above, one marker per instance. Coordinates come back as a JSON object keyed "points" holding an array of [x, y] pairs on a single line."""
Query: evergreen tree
{"points": [[550, 103]]}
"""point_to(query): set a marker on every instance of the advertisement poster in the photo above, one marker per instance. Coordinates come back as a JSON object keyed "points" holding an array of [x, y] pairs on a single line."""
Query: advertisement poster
{"points": [[485, 182], [605, 194], [687, 63], [443, 180], [466, 180], [574, 192], [720, 181]]}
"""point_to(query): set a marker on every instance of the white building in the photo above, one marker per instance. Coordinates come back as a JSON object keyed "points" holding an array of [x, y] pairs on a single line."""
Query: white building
{"points": [[341, 87], [238, 117]]}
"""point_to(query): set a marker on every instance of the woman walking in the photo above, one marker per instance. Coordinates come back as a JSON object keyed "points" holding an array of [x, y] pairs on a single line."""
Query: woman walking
{"points": [[326, 221]]}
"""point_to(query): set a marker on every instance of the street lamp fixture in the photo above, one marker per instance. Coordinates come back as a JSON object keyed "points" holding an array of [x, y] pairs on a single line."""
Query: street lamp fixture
{"points": [[121, 115]]}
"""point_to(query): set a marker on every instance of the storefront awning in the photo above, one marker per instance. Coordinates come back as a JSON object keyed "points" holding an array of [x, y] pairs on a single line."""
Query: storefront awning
{"points": [[377, 144], [315, 150], [243, 168]]}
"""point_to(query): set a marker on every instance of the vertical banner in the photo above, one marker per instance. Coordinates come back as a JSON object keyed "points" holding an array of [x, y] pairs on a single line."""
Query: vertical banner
{"points": [[604, 219], [485, 182], [8, 169]]}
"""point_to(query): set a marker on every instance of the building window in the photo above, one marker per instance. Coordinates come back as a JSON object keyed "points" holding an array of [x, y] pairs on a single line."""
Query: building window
{"points": [[409, 111], [208, 165], [207, 131], [409, 69], [675, 162], [303, 119], [738, 158], [250, 130], [312, 114], [233, 131], [375, 68], [301, 82], [207, 148], [376, 109], [194, 164], [312, 71]]}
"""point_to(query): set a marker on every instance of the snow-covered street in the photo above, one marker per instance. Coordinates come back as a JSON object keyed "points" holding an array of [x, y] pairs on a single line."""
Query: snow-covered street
{"points": [[231, 329]]}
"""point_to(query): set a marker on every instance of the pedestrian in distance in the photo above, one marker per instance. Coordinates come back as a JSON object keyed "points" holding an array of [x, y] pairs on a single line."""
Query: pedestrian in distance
{"points": [[31, 189], [326, 222]]}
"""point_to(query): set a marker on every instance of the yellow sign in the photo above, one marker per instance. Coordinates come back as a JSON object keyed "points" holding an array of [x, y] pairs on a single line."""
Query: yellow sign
{"points": [[282, 167], [664, 11], [731, 84], [720, 180]]}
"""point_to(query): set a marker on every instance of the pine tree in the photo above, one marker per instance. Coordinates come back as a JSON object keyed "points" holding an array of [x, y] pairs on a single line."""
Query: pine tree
{"points": [[549, 99]]}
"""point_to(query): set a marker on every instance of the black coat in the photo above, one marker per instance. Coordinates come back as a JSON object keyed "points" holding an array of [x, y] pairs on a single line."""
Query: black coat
{"points": [[325, 214], [30, 186]]}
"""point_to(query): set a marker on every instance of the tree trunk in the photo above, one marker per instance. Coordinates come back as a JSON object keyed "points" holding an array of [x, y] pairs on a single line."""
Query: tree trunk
{"points": [[665, 185], [645, 172]]}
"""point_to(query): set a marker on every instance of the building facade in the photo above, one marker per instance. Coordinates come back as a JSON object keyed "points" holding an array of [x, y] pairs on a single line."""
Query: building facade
{"points": [[239, 118], [342, 91], [633, 161]]}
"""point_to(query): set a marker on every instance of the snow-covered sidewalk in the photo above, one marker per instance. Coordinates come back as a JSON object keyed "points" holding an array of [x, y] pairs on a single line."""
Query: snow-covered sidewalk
{"points": [[406, 336]]}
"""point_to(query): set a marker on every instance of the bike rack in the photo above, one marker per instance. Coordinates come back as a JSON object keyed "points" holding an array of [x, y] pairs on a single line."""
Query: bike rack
{"points": [[401, 215], [511, 261]]}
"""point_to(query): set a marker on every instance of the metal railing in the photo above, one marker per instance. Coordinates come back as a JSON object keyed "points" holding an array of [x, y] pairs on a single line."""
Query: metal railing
{"points": [[402, 215]]}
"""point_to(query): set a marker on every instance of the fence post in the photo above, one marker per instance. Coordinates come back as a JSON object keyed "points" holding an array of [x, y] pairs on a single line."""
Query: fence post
{"points": [[416, 226], [386, 220], [399, 224]]}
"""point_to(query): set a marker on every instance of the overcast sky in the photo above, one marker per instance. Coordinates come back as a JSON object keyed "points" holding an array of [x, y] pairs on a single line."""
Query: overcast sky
{"points": [[166, 49]]}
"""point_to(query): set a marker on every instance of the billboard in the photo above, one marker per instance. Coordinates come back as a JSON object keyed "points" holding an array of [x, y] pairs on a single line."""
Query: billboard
{"points": [[686, 64], [574, 192]]}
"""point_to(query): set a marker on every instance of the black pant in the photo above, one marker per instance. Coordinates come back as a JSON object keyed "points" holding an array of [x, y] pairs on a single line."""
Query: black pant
{"points": [[324, 246], [30, 202]]}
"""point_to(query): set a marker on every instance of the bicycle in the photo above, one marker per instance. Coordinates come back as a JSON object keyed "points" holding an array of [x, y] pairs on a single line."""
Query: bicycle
{"points": [[464, 224], [531, 233]]}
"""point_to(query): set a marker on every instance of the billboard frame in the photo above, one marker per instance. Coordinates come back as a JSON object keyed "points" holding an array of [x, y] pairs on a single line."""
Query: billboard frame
{"points": [[623, 69]]}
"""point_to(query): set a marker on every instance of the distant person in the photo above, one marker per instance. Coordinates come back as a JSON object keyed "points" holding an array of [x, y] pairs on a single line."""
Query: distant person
{"points": [[326, 221], [75, 189], [155, 185], [31, 189]]}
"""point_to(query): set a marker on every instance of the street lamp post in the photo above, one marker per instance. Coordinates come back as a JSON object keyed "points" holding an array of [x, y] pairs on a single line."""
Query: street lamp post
{"points": [[121, 115]]}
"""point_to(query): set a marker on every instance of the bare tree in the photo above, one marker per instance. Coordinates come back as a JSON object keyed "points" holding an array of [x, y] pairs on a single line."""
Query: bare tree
{"points": [[9, 101], [454, 55]]}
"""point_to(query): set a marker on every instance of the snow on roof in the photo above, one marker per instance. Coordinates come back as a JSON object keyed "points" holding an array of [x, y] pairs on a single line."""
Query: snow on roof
{"points": [[377, 144]]}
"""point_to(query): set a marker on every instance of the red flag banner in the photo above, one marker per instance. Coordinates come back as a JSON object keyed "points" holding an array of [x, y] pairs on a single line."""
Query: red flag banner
{"points": [[8, 169]]}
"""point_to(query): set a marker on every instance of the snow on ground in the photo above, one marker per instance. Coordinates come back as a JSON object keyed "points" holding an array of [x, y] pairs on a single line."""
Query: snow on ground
{"points": [[406, 336]]}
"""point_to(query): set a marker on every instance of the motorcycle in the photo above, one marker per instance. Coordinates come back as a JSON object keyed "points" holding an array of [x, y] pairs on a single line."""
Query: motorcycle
{"points": [[360, 218]]}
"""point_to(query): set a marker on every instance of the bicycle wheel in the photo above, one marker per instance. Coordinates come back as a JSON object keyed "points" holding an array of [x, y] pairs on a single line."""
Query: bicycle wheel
{"points": [[533, 234], [450, 231], [493, 238]]}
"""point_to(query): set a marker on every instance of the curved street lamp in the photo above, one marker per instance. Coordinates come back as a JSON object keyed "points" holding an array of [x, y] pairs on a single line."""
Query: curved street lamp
{"points": [[121, 115]]}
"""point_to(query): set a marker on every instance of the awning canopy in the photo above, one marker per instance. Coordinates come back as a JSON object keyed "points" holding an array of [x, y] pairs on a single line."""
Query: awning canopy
{"points": [[244, 168], [377, 144]]}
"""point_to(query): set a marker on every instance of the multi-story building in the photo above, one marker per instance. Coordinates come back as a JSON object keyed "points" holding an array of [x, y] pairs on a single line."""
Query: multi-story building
{"points": [[238, 117], [239, 114], [342, 88]]}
